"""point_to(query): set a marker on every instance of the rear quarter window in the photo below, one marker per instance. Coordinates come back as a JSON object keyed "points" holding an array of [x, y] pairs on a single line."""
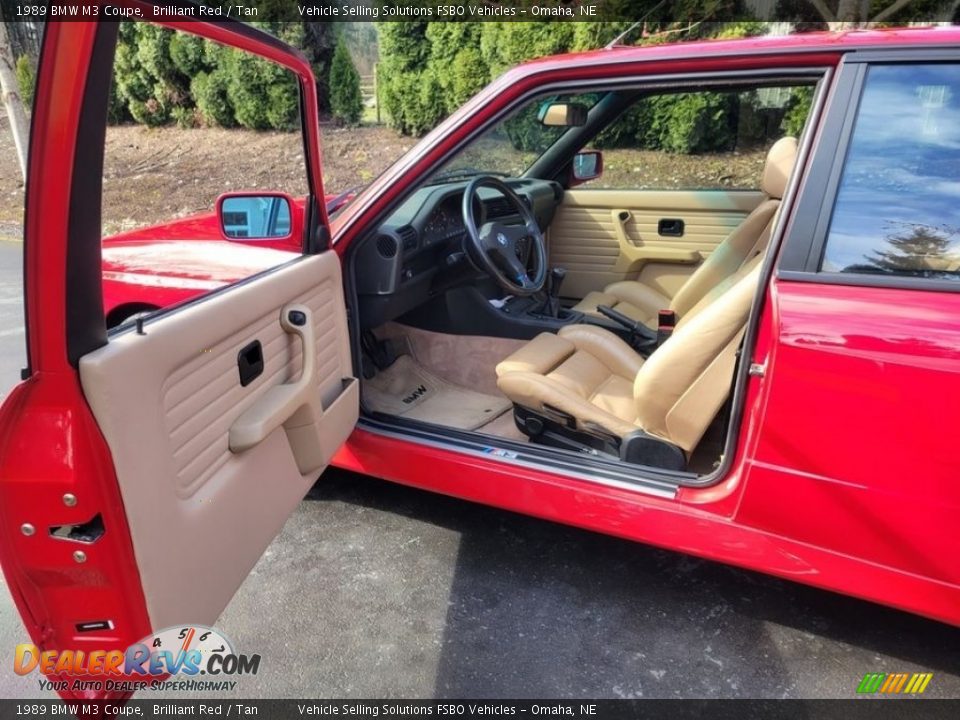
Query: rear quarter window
{"points": [[897, 211]]}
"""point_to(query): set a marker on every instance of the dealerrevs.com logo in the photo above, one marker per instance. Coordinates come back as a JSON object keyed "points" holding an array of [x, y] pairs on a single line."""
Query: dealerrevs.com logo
{"points": [[172, 659]]}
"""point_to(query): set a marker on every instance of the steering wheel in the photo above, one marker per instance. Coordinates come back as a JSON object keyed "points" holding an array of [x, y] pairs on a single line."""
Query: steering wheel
{"points": [[493, 245]]}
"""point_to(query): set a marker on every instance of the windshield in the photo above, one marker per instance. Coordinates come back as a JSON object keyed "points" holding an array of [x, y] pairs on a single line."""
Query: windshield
{"points": [[511, 146]]}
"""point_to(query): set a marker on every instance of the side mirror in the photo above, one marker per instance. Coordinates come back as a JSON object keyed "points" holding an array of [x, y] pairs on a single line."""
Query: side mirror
{"points": [[557, 114], [586, 165], [256, 216]]}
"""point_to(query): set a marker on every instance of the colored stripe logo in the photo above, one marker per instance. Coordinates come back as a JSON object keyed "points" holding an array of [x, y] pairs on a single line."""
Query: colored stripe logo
{"points": [[894, 683]]}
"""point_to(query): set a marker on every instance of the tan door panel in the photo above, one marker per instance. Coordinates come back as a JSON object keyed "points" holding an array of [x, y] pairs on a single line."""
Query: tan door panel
{"points": [[603, 236], [167, 401]]}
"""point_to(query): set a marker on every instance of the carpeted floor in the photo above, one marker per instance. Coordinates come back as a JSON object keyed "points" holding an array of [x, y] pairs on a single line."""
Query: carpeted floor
{"points": [[407, 389]]}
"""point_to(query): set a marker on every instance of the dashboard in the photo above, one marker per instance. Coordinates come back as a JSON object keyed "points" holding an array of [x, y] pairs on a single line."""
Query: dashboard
{"points": [[418, 252]]}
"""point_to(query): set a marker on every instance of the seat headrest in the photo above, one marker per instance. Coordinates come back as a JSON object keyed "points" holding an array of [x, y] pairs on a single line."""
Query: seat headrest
{"points": [[779, 165]]}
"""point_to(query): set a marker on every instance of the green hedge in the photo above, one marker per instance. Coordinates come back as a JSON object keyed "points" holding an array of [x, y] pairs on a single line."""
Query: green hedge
{"points": [[797, 110], [209, 90], [26, 79], [427, 70], [161, 77], [346, 102], [401, 75], [690, 123]]}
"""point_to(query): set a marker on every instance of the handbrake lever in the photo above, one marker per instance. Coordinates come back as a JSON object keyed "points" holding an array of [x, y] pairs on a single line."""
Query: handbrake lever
{"points": [[645, 337]]}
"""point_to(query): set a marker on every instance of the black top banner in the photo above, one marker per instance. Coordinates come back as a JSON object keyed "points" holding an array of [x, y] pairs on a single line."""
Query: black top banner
{"points": [[625, 12]]}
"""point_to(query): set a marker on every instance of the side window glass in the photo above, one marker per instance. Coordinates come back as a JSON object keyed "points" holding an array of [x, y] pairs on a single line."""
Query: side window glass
{"points": [[897, 211], [512, 145], [706, 140], [192, 122]]}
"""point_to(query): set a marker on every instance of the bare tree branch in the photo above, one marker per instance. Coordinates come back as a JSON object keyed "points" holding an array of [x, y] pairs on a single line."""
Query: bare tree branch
{"points": [[887, 12], [673, 31], [825, 12]]}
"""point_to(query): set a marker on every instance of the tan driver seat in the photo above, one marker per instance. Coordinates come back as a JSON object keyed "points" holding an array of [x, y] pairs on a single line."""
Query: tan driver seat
{"points": [[748, 240], [588, 379]]}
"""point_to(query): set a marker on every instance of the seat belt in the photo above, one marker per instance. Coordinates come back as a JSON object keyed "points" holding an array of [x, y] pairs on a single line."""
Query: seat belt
{"points": [[666, 322]]}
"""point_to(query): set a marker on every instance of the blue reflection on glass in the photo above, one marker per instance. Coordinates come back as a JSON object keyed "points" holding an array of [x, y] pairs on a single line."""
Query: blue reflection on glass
{"points": [[254, 217], [898, 206]]}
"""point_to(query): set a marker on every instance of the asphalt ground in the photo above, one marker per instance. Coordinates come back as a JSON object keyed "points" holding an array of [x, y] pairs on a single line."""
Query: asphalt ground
{"points": [[373, 590]]}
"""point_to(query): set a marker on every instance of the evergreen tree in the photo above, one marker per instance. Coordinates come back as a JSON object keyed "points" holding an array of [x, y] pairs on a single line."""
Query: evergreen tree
{"points": [[162, 76], [922, 250], [346, 102], [319, 42], [26, 79], [404, 53]]}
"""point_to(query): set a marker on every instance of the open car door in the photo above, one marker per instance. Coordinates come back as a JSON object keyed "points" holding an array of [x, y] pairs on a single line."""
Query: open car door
{"points": [[142, 474]]}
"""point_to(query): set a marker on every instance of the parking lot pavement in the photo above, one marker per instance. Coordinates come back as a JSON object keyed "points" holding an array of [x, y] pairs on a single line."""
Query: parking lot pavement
{"points": [[375, 590]]}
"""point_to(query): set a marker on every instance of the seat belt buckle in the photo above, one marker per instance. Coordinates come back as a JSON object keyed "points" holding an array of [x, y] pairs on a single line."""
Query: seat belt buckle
{"points": [[666, 322]]}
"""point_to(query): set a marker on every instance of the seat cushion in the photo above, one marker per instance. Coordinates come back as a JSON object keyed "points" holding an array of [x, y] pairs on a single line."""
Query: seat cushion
{"points": [[541, 355], [584, 372], [633, 299], [608, 349]]}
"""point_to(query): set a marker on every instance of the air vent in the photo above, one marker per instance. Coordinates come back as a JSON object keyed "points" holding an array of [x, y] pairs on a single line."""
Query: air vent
{"points": [[386, 246], [408, 235], [499, 207]]}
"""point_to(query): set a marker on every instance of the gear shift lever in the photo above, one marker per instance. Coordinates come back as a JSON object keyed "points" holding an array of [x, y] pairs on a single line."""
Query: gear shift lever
{"points": [[551, 307]]}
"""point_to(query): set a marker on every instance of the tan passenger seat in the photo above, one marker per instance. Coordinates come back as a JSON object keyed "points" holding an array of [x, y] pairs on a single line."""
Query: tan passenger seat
{"points": [[748, 240], [591, 380]]}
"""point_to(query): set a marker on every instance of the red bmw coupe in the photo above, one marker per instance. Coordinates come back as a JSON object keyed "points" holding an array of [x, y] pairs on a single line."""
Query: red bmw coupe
{"points": [[764, 372]]}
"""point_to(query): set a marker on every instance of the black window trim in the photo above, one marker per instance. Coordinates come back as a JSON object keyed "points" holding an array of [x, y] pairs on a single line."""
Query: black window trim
{"points": [[807, 235]]}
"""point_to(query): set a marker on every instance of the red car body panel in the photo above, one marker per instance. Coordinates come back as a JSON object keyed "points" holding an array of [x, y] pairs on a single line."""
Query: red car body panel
{"points": [[50, 444], [162, 265], [841, 476], [859, 426], [705, 530]]}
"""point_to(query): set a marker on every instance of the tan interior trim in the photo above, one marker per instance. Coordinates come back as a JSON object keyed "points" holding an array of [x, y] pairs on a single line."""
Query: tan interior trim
{"points": [[278, 404], [200, 515], [634, 255], [597, 249]]}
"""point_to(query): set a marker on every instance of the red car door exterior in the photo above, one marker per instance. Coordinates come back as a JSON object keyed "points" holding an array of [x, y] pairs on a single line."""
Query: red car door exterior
{"points": [[863, 368]]}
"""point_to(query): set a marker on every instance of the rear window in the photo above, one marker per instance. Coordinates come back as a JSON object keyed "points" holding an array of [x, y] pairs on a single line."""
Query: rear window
{"points": [[898, 205]]}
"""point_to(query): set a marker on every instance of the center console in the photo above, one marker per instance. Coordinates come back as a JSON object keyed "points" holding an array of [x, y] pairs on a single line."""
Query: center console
{"points": [[482, 310], [532, 308]]}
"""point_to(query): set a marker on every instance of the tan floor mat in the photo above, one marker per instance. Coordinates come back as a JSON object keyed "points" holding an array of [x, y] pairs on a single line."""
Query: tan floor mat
{"points": [[407, 389], [465, 360], [504, 427]]}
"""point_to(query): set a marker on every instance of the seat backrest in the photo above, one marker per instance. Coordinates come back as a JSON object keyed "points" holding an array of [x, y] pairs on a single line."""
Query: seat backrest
{"points": [[749, 239], [682, 385]]}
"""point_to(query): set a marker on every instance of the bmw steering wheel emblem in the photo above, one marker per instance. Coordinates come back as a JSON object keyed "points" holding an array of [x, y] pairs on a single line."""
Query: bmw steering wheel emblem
{"points": [[502, 239]]}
